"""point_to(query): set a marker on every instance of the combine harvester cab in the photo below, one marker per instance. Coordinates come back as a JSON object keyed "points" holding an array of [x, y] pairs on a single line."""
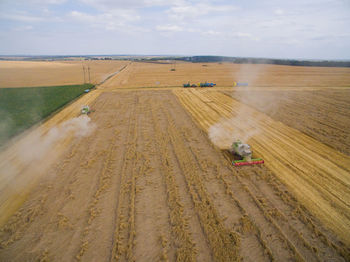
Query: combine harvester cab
{"points": [[85, 110], [243, 152]]}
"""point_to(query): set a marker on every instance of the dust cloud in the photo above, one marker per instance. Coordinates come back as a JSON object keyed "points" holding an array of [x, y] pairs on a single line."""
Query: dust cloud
{"points": [[225, 132], [244, 124], [38, 145], [22, 162]]}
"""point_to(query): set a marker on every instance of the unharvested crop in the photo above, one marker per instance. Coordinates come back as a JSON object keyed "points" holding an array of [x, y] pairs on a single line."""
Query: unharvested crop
{"points": [[148, 183]]}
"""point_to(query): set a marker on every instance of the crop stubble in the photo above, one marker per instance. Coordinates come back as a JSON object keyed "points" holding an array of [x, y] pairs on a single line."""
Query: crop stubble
{"points": [[316, 173], [321, 114], [148, 185]]}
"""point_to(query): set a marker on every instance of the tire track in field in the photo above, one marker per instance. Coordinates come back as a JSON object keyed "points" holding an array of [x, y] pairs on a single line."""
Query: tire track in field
{"points": [[106, 178], [223, 242], [124, 231], [233, 214], [182, 239], [250, 215], [204, 251], [153, 240], [291, 216]]}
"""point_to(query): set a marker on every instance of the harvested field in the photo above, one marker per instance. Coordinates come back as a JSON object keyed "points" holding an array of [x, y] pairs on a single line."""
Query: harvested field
{"points": [[317, 174], [147, 183], [29, 74]]}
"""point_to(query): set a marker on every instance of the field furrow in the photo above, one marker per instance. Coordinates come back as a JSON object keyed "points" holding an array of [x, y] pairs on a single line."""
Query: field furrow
{"points": [[153, 240], [125, 216], [183, 240], [294, 242]]}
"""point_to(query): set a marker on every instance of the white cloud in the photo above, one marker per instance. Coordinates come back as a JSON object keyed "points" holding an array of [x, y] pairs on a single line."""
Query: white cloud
{"points": [[243, 35], [263, 28], [169, 28], [21, 17], [34, 2], [82, 16], [24, 28], [50, 2], [121, 15], [279, 12], [212, 33], [110, 21], [188, 11], [122, 4], [231, 35]]}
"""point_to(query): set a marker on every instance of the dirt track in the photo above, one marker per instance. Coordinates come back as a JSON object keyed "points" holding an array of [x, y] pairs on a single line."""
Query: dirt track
{"points": [[149, 185]]}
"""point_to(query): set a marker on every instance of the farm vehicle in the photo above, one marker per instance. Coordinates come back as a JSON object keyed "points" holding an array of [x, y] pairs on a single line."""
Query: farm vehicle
{"points": [[206, 84], [243, 154]]}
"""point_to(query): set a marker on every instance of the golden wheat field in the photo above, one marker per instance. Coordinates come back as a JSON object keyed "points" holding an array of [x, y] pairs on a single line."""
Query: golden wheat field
{"points": [[147, 175], [39, 73]]}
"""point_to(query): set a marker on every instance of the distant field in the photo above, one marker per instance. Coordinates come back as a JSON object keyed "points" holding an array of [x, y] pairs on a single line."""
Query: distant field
{"points": [[31, 74], [224, 74], [20, 108]]}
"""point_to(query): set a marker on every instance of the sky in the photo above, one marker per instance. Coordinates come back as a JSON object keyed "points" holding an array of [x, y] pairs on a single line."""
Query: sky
{"points": [[297, 29]]}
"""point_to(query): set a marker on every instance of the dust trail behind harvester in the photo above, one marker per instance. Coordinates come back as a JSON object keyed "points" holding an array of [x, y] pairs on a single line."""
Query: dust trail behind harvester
{"points": [[23, 164], [242, 125]]}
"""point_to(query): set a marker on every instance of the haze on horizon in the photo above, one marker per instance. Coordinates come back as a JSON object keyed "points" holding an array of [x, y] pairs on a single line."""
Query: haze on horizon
{"points": [[300, 29]]}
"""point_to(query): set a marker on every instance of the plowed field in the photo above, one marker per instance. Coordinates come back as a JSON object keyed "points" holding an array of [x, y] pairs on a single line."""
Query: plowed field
{"points": [[150, 182]]}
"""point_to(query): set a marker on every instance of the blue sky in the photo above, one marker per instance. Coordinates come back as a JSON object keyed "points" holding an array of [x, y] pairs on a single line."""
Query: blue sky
{"points": [[312, 29]]}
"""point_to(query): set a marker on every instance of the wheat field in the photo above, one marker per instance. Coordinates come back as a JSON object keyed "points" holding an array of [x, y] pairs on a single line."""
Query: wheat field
{"points": [[152, 179], [55, 73]]}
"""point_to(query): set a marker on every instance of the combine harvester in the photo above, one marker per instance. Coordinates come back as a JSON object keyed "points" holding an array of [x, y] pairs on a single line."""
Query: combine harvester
{"points": [[85, 110], [207, 84], [244, 153], [189, 85]]}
